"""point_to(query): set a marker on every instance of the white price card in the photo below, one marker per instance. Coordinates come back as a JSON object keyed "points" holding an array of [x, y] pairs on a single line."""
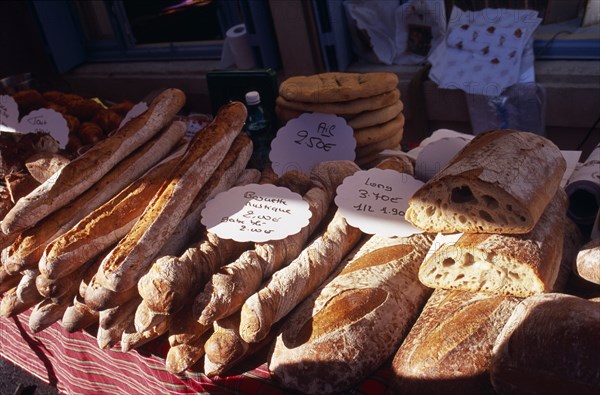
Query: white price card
{"points": [[256, 212], [310, 139], [47, 121], [436, 155], [9, 114], [376, 200]]}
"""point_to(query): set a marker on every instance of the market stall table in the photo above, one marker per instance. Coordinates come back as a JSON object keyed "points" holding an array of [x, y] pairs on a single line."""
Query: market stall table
{"points": [[75, 364]]}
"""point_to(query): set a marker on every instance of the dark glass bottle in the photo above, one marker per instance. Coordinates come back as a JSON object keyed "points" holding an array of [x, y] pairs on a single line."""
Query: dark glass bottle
{"points": [[258, 127]]}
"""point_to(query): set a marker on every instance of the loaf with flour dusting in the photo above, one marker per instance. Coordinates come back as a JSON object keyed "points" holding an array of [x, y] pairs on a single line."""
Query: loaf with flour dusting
{"points": [[500, 182], [518, 265]]}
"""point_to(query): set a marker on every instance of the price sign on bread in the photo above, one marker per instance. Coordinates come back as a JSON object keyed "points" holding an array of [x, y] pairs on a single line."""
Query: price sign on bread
{"points": [[376, 200], [310, 139], [256, 212]]}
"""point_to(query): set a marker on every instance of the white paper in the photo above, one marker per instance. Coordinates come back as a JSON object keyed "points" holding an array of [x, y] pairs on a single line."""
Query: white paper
{"points": [[485, 51]]}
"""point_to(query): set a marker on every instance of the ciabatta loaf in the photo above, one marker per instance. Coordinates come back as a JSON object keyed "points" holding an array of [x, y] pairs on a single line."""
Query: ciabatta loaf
{"points": [[549, 346], [518, 265], [500, 182], [449, 348], [353, 323], [587, 265], [80, 174]]}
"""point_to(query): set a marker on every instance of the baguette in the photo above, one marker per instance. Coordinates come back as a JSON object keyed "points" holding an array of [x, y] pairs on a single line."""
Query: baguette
{"points": [[229, 288], [518, 265], [171, 276], [356, 320], [100, 298], [224, 177], [78, 316], [104, 226], [7, 281], [290, 285], [114, 321], [186, 340], [83, 172], [500, 182], [449, 348], [131, 339], [145, 318], [11, 306], [133, 255], [26, 251], [26, 290], [46, 313], [548, 346]]}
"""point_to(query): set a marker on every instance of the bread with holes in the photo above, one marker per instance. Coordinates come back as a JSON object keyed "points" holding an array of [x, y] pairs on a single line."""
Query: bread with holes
{"points": [[500, 182], [517, 265]]}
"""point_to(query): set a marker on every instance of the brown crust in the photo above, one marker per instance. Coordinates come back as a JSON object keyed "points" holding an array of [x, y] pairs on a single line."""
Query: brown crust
{"points": [[337, 86], [344, 108]]}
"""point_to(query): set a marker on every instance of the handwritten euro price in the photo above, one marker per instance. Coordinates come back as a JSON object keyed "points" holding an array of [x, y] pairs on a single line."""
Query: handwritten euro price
{"points": [[318, 139], [377, 196]]}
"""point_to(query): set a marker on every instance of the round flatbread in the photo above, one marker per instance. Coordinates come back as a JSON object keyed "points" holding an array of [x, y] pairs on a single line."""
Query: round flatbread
{"points": [[388, 143], [376, 117], [343, 108], [337, 86], [379, 132]]}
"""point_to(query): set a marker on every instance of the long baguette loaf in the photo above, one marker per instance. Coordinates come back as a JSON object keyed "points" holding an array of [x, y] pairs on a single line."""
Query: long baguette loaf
{"points": [[131, 338], [104, 226], [7, 281], [120, 318], [549, 346], [133, 255], [518, 265], [78, 316], [449, 348], [83, 172], [173, 277], [186, 340], [225, 176], [356, 320], [11, 306], [500, 182], [229, 288], [46, 313], [290, 285], [26, 250], [26, 290], [101, 298]]}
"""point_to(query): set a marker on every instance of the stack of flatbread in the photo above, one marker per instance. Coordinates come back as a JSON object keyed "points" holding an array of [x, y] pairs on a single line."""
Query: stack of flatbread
{"points": [[370, 103]]}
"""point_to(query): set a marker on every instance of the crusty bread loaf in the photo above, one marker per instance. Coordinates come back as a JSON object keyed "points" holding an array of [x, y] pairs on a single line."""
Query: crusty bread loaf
{"points": [[549, 346], [588, 262], [500, 182], [78, 316], [186, 340], [354, 322], [11, 306], [133, 255], [518, 265], [131, 338], [7, 281], [449, 348], [115, 321], [26, 289], [83, 172], [27, 248], [46, 313], [290, 285], [104, 226]]}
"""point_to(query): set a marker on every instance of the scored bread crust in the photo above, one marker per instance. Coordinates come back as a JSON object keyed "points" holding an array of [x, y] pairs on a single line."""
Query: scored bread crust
{"points": [[356, 320], [587, 264], [81, 173], [449, 348], [500, 182], [518, 265]]}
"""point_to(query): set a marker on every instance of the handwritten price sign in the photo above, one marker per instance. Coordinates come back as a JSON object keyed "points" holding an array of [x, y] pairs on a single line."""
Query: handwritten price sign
{"points": [[309, 139], [376, 200], [256, 213]]}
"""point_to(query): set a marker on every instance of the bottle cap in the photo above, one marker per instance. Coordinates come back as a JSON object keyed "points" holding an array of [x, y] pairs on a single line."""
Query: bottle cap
{"points": [[252, 97]]}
